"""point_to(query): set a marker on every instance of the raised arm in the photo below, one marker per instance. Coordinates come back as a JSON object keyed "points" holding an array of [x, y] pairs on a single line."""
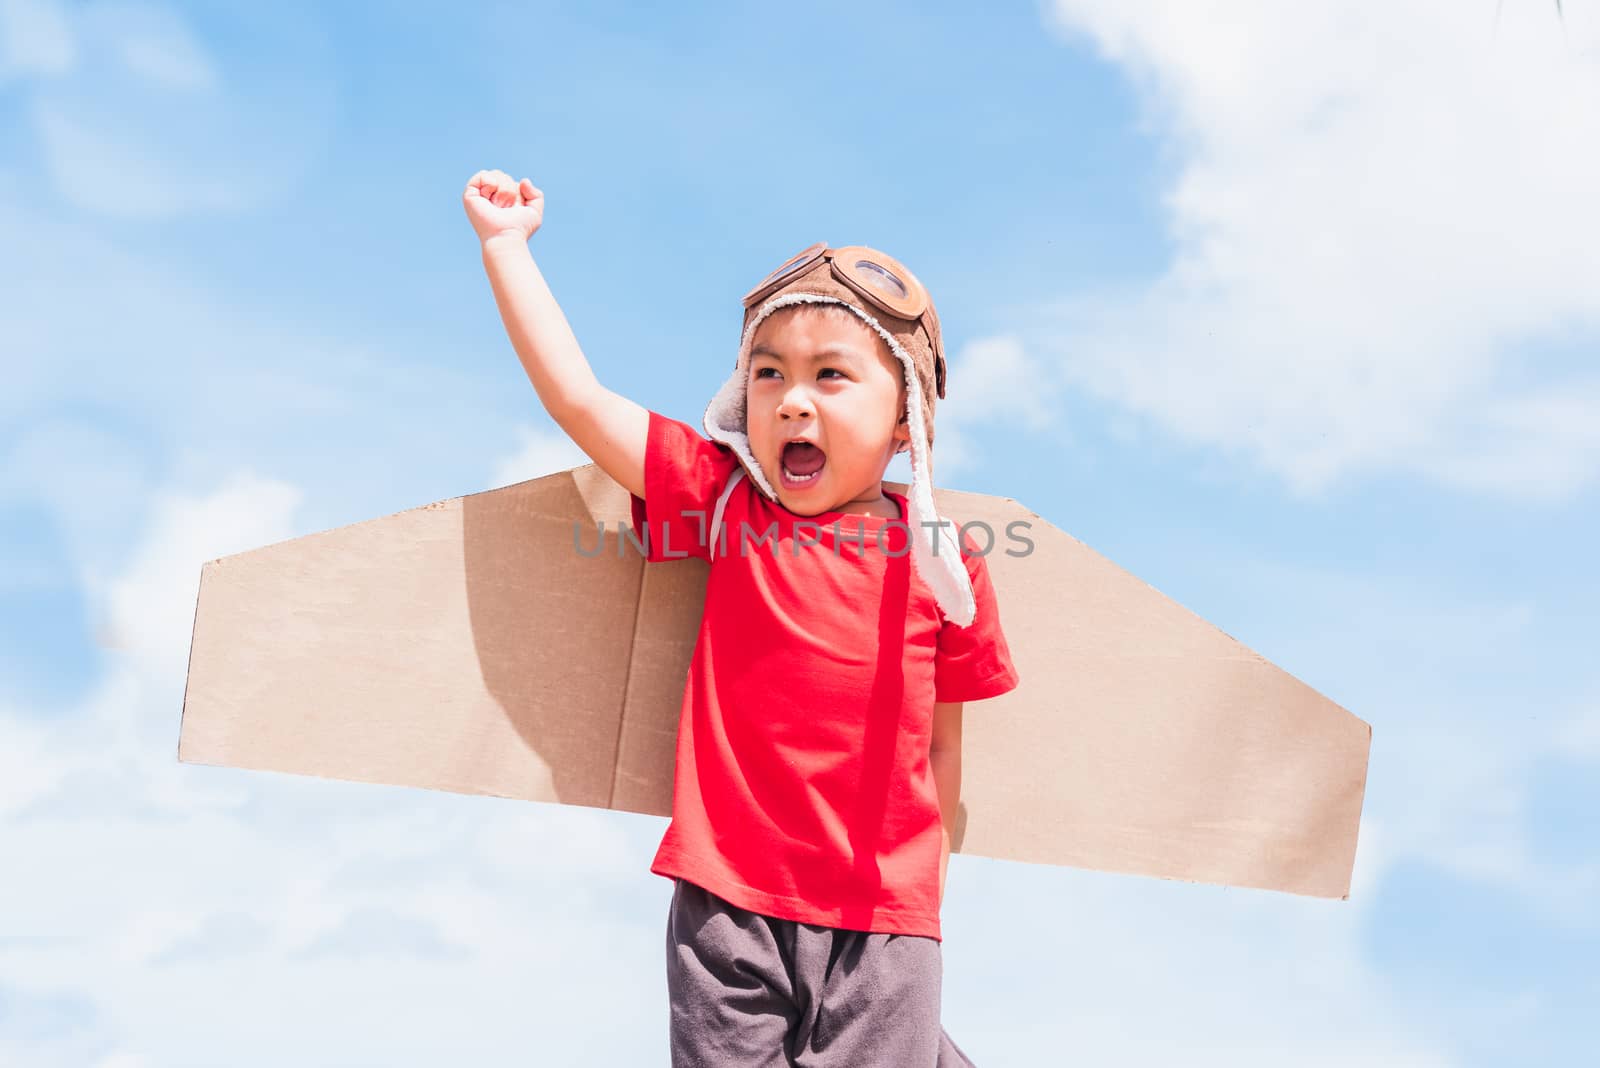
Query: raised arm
{"points": [[608, 427]]}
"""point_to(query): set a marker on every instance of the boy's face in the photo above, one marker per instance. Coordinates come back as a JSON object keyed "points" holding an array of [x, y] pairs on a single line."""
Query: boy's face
{"points": [[825, 377]]}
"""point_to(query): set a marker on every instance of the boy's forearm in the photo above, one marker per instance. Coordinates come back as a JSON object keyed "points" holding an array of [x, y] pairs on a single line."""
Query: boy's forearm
{"points": [[538, 330], [946, 765], [944, 861]]}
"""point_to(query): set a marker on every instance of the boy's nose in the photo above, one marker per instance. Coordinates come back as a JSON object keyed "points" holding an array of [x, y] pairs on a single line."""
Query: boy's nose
{"points": [[793, 407]]}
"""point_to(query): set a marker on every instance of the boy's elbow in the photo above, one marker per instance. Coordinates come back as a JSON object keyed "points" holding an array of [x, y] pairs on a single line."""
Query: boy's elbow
{"points": [[945, 737], [572, 405], [612, 430]]}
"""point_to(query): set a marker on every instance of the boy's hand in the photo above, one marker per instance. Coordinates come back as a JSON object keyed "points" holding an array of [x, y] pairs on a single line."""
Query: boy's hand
{"points": [[497, 205]]}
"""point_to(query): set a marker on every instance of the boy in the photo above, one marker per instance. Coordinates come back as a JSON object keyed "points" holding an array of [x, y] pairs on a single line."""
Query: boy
{"points": [[818, 751]]}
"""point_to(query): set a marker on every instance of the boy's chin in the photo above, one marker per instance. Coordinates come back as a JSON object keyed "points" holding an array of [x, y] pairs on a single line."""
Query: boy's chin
{"points": [[804, 503], [802, 500]]}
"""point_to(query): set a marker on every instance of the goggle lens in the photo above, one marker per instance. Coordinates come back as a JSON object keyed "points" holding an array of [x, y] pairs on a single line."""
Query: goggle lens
{"points": [[787, 269], [778, 277], [881, 278]]}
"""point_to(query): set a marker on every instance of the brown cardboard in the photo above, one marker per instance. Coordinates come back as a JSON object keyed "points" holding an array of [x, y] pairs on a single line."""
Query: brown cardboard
{"points": [[469, 646]]}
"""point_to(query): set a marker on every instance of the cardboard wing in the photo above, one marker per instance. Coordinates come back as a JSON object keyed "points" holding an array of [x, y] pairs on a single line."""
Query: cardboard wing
{"points": [[515, 643]]}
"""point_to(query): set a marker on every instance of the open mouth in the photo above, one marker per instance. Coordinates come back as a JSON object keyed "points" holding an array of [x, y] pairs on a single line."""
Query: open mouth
{"points": [[802, 464]]}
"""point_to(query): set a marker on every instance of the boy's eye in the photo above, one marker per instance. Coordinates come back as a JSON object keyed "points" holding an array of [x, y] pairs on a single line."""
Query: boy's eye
{"points": [[761, 372]]}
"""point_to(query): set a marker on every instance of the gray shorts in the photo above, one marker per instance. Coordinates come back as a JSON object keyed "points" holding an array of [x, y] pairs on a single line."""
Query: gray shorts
{"points": [[753, 991]]}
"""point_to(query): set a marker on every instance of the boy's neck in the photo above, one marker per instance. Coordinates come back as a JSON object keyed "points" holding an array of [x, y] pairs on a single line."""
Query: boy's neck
{"points": [[879, 505]]}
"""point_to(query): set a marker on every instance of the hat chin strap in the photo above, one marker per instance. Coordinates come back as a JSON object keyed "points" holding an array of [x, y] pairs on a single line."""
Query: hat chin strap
{"points": [[935, 553]]}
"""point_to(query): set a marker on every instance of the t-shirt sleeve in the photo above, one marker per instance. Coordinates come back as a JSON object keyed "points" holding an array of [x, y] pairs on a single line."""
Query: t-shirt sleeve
{"points": [[684, 473], [974, 662]]}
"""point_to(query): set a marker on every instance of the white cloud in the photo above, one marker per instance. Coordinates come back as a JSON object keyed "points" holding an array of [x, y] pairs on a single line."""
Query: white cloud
{"points": [[1385, 239], [1580, 735], [147, 613], [993, 381], [156, 44], [1119, 970], [150, 609], [28, 768], [540, 452], [122, 1059], [995, 378], [89, 477], [35, 39], [137, 119], [180, 913]]}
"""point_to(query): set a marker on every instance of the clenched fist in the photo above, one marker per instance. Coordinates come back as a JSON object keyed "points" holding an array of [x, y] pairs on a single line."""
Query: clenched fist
{"points": [[497, 205]]}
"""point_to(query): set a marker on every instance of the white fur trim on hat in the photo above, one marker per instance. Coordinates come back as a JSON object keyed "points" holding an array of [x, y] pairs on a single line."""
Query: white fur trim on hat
{"points": [[940, 566]]}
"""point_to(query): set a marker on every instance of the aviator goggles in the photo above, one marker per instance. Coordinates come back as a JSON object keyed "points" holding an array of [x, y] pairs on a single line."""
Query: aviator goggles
{"points": [[877, 277]]}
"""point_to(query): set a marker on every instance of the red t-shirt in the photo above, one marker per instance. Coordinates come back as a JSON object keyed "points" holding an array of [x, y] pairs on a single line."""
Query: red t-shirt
{"points": [[803, 788]]}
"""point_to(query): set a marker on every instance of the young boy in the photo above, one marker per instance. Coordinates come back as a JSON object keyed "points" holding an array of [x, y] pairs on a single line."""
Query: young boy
{"points": [[818, 752]]}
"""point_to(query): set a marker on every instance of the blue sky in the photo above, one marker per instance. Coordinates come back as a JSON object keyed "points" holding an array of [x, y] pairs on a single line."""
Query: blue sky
{"points": [[1289, 311]]}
